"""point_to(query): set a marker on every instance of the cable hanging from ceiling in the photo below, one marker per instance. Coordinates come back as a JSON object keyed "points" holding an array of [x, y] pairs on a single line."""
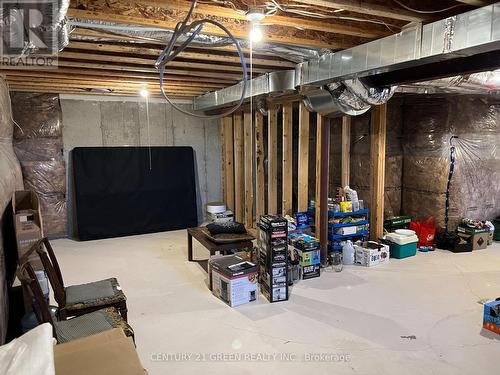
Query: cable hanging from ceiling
{"points": [[427, 11], [168, 54]]}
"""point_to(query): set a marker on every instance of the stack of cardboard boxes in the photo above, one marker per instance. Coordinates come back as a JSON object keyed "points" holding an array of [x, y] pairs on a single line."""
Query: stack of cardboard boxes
{"points": [[307, 249], [273, 257], [27, 223]]}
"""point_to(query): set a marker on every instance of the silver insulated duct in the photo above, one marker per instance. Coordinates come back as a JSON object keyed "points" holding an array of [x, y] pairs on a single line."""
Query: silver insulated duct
{"points": [[48, 26], [351, 80]]}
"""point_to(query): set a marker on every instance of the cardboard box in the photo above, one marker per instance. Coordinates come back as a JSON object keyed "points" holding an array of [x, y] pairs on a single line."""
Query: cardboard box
{"points": [[27, 224], [479, 241], [347, 230], [234, 280], [371, 253], [491, 316], [469, 230], [310, 272], [106, 353]]}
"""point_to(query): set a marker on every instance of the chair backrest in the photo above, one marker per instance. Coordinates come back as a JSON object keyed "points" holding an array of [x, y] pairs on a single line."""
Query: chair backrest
{"points": [[31, 286], [53, 271]]}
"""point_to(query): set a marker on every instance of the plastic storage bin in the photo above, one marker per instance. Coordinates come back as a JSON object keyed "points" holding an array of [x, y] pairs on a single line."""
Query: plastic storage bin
{"points": [[402, 251]]}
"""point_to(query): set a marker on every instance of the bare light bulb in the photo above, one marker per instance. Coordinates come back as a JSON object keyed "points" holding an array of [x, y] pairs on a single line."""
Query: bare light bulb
{"points": [[255, 34], [144, 93]]}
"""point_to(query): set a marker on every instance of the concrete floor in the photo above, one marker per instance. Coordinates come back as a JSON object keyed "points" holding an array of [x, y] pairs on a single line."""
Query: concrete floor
{"points": [[414, 316]]}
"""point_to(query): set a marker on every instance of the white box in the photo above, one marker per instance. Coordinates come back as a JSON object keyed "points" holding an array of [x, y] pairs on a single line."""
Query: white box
{"points": [[375, 253], [347, 230]]}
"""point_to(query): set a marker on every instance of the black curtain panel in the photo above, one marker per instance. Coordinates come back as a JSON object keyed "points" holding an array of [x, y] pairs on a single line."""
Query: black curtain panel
{"points": [[122, 191]]}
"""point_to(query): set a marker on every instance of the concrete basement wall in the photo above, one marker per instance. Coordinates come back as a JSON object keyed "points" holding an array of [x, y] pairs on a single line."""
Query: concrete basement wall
{"points": [[109, 121]]}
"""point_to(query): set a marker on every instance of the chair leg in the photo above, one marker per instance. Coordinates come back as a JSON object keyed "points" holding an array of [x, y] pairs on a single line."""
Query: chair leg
{"points": [[123, 311]]}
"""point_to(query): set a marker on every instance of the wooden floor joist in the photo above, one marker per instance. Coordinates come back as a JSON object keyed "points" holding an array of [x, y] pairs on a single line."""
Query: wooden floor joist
{"points": [[260, 200], [155, 52], [272, 161], [303, 163], [287, 148], [378, 128], [249, 166]]}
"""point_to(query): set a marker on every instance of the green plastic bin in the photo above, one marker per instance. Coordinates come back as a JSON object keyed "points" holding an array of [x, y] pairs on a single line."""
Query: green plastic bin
{"points": [[402, 251]]}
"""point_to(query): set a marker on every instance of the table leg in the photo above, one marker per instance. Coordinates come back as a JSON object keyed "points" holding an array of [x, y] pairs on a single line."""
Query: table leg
{"points": [[190, 247]]}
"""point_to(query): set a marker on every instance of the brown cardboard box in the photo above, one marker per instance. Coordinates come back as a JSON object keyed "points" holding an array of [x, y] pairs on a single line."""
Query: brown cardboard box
{"points": [[107, 353], [27, 223], [479, 241]]}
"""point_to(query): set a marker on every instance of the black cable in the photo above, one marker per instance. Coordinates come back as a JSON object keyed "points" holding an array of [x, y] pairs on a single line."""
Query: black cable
{"points": [[168, 55]]}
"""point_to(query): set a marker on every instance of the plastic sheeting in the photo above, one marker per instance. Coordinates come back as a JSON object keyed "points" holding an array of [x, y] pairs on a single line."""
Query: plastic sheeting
{"points": [[38, 145], [429, 124], [44, 176], [10, 180], [39, 115], [32, 353], [360, 167]]}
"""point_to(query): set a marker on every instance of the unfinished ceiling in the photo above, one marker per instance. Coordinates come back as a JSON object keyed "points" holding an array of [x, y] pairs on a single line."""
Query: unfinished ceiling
{"points": [[103, 57]]}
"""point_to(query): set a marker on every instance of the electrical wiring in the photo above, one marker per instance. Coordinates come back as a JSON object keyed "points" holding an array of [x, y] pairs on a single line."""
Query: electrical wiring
{"points": [[428, 11], [168, 54]]}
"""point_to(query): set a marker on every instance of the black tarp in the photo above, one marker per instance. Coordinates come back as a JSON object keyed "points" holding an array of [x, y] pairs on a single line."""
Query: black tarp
{"points": [[117, 193]]}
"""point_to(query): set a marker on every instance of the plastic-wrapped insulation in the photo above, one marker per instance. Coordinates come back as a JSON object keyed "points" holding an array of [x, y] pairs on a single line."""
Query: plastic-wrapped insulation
{"points": [[10, 180], [291, 53], [430, 122], [38, 145]]}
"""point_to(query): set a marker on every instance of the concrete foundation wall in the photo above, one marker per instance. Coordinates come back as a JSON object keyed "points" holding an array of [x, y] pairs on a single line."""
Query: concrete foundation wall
{"points": [[109, 122]]}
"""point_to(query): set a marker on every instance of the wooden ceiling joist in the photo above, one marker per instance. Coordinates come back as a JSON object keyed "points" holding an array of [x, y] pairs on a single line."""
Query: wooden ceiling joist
{"points": [[292, 37], [97, 75], [286, 21], [146, 69], [143, 61], [388, 10], [86, 92], [105, 47], [111, 82]]}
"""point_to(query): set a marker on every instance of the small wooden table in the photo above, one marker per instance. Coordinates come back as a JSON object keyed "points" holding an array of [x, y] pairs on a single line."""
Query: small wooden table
{"points": [[213, 247]]}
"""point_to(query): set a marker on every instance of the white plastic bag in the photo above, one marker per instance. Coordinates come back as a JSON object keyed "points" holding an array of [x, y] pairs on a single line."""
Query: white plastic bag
{"points": [[32, 353]]}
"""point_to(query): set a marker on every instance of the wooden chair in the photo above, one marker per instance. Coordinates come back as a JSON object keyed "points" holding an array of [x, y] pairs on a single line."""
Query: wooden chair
{"points": [[72, 329], [76, 300]]}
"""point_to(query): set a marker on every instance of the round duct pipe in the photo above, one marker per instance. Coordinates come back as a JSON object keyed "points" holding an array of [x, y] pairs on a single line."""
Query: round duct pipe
{"points": [[353, 98]]}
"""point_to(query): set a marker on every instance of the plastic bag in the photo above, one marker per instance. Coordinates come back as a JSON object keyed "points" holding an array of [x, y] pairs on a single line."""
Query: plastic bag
{"points": [[425, 230]]}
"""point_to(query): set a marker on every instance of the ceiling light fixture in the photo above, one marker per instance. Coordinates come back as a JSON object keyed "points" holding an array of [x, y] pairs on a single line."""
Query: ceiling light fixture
{"points": [[255, 16], [255, 34]]}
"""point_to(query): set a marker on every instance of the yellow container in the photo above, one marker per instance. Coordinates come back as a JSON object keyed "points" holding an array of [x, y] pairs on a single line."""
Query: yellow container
{"points": [[346, 206]]}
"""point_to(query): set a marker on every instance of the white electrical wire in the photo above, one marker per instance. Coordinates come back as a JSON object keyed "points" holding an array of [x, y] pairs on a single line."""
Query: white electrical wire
{"points": [[428, 11], [149, 133], [169, 54]]}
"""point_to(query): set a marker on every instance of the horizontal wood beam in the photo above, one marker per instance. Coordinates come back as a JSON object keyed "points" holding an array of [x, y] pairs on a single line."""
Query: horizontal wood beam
{"points": [[83, 92], [131, 49], [143, 61], [365, 7], [146, 69], [98, 75], [241, 31], [110, 82], [327, 26], [109, 87]]}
